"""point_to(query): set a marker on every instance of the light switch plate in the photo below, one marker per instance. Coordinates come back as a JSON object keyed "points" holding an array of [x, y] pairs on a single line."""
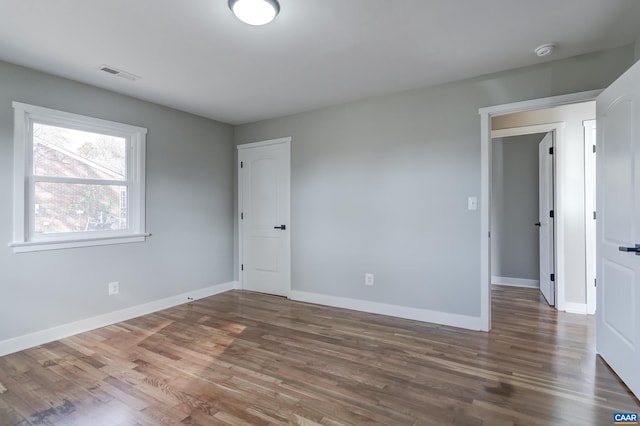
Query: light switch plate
{"points": [[472, 203]]}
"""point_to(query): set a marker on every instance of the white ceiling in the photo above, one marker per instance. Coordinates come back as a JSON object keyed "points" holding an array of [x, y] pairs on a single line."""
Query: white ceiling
{"points": [[194, 55]]}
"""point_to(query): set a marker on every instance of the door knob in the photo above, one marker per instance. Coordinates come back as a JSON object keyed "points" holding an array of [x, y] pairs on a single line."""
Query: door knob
{"points": [[283, 227], [635, 249], [537, 224]]}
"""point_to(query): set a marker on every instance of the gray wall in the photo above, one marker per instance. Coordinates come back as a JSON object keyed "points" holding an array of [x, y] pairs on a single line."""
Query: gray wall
{"points": [[189, 212], [515, 243], [381, 185]]}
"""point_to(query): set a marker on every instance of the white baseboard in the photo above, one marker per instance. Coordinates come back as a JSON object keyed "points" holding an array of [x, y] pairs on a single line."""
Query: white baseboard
{"points": [[515, 282], [443, 318], [37, 338], [575, 308]]}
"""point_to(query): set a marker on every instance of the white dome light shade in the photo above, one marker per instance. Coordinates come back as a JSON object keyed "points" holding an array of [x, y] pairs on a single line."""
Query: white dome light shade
{"points": [[255, 12]]}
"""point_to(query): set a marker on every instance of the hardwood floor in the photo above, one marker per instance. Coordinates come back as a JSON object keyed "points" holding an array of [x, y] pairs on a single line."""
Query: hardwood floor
{"points": [[245, 358]]}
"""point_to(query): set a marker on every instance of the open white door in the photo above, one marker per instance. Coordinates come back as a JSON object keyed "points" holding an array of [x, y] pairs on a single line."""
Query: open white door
{"points": [[545, 219], [590, 212], [618, 227], [264, 173]]}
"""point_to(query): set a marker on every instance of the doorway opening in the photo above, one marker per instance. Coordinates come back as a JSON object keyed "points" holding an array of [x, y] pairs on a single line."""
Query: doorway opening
{"points": [[569, 234], [522, 211]]}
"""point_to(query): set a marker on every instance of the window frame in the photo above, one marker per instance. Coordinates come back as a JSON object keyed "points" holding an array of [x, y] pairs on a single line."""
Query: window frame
{"points": [[24, 237]]}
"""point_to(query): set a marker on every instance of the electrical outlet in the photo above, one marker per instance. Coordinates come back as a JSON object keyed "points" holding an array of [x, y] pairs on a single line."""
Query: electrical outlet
{"points": [[368, 279], [114, 288]]}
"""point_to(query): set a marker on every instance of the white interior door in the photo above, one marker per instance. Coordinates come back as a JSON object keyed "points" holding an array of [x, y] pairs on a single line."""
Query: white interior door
{"points": [[618, 227], [545, 219], [590, 212], [264, 173]]}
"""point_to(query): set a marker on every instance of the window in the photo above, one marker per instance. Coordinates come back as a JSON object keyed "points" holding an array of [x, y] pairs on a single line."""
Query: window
{"points": [[78, 181]]}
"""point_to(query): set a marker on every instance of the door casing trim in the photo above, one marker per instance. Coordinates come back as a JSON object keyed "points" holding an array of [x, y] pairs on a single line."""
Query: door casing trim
{"points": [[486, 114]]}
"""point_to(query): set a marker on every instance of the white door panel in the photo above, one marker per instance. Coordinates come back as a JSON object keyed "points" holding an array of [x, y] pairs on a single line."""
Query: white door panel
{"points": [[618, 299], [545, 221], [618, 227], [264, 198]]}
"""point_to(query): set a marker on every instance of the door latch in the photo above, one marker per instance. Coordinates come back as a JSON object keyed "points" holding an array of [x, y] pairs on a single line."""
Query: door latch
{"points": [[635, 249]]}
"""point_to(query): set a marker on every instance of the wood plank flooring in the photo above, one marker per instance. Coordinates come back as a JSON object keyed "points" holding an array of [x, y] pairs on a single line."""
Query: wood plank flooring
{"points": [[243, 358]]}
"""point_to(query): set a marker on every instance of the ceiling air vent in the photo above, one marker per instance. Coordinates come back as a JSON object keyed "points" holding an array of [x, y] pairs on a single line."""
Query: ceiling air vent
{"points": [[120, 73]]}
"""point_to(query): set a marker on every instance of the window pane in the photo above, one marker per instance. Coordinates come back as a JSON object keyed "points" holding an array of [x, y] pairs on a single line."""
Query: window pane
{"points": [[63, 207], [58, 151]]}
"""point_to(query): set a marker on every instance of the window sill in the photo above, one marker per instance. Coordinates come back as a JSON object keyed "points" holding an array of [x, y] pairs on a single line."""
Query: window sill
{"points": [[24, 247]]}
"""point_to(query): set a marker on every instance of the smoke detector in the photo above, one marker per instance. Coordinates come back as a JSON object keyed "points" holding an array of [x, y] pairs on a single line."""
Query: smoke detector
{"points": [[118, 72], [545, 49]]}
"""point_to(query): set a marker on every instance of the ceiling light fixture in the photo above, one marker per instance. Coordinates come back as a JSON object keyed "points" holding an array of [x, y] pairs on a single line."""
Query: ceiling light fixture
{"points": [[545, 49], [255, 12]]}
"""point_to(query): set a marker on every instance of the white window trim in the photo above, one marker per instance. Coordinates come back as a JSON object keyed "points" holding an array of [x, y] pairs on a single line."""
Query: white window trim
{"points": [[23, 241]]}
